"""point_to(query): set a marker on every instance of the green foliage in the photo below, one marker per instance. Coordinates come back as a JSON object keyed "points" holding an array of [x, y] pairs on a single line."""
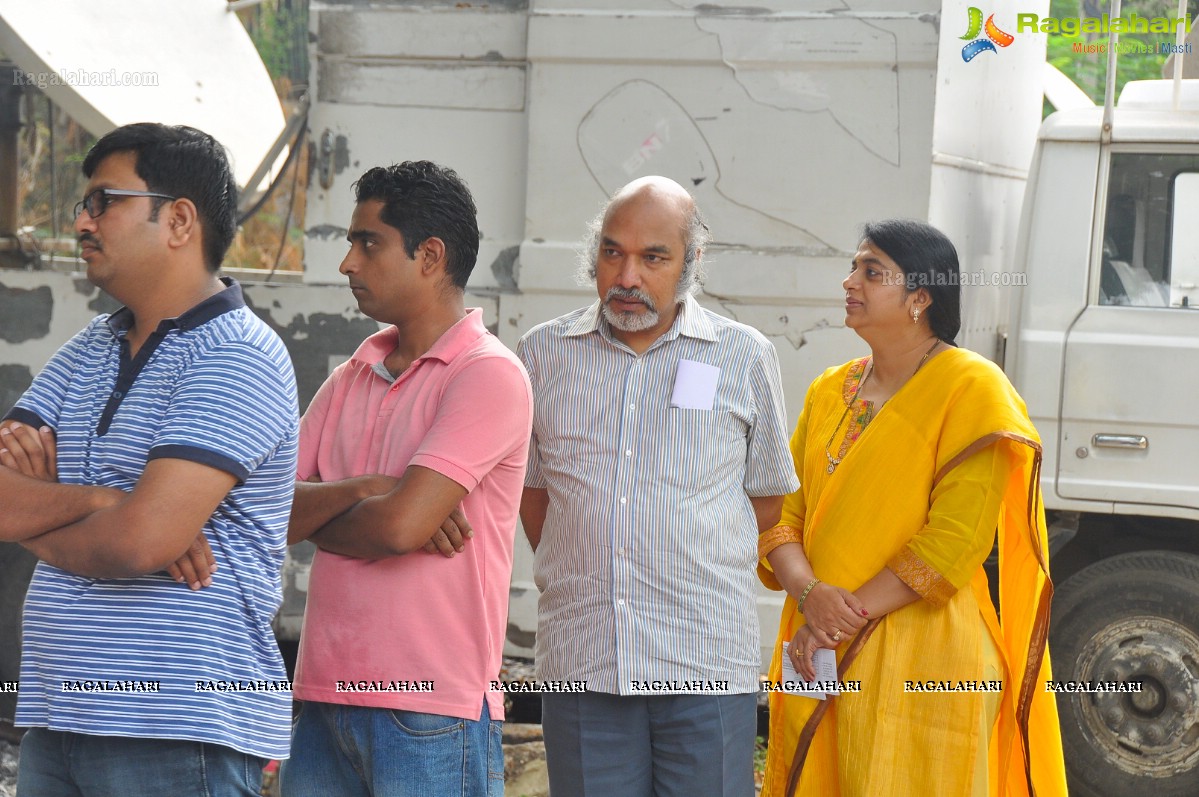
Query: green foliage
{"points": [[760, 754], [1089, 70], [279, 29]]}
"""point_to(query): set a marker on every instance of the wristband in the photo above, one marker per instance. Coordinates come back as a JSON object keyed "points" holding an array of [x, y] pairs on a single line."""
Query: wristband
{"points": [[806, 590]]}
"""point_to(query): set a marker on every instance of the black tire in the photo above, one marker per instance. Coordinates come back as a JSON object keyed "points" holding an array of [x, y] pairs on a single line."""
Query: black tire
{"points": [[16, 568], [1132, 618]]}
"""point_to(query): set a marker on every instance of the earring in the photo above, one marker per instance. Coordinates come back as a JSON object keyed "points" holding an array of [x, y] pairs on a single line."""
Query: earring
{"points": [[915, 315]]}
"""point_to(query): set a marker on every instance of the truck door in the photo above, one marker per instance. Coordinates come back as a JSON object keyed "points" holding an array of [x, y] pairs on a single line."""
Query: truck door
{"points": [[1129, 428]]}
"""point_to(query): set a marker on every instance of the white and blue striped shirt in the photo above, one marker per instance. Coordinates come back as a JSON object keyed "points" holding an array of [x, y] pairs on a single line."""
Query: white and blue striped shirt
{"points": [[148, 657], [646, 560]]}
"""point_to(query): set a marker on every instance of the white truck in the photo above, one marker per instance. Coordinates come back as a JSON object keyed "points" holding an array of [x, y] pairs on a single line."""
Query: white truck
{"points": [[1104, 347], [793, 121]]}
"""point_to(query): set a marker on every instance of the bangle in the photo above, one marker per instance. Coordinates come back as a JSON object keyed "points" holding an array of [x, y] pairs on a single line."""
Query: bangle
{"points": [[806, 590]]}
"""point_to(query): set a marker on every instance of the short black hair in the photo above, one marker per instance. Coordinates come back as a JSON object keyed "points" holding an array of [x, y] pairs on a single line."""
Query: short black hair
{"points": [[183, 162], [423, 200], [928, 260]]}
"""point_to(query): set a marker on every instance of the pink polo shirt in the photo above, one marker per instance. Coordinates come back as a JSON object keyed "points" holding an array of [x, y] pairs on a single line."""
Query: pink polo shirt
{"points": [[376, 633]]}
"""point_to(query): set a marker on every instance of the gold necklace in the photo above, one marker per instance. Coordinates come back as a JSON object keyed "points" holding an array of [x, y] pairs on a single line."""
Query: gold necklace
{"points": [[833, 462]]}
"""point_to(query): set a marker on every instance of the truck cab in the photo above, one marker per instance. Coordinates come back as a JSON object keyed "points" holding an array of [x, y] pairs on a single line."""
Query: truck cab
{"points": [[1104, 347]]}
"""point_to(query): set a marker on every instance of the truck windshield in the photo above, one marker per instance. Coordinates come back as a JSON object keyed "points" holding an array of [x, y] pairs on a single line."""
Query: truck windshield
{"points": [[1150, 242]]}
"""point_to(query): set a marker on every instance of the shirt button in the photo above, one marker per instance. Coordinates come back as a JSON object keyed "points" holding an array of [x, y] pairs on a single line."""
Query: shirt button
{"points": [[628, 452], [620, 602], [632, 406], [623, 500], [116, 394]]}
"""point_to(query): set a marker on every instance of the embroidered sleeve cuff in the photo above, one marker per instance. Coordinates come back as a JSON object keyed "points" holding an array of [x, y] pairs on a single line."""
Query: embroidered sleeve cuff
{"points": [[773, 538], [923, 579]]}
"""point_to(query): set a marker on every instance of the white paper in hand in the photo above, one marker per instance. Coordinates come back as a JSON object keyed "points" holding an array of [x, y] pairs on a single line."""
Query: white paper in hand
{"points": [[825, 661], [695, 386]]}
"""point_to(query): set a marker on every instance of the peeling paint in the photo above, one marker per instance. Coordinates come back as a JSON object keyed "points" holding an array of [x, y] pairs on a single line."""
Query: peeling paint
{"points": [[326, 232], [103, 303], [25, 314], [312, 340], [332, 158], [506, 269], [519, 637], [14, 381]]}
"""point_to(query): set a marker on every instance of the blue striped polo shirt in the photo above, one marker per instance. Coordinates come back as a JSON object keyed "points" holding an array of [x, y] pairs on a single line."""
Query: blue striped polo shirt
{"points": [[148, 657], [646, 565]]}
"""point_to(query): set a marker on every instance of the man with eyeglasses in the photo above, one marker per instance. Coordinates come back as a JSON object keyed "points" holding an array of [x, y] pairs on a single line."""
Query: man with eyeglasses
{"points": [[157, 446]]}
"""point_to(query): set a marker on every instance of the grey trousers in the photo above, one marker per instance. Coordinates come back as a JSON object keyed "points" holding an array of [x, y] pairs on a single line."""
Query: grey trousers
{"points": [[599, 745]]}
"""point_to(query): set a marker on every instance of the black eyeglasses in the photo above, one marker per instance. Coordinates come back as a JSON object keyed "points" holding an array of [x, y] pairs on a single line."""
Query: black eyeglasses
{"points": [[98, 201]]}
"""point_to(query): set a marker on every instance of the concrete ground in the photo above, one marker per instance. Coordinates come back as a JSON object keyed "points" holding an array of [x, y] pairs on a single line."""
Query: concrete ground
{"points": [[8, 769]]}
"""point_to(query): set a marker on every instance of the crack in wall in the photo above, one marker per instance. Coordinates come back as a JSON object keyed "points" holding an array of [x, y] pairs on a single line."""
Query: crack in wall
{"points": [[790, 91], [797, 337]]}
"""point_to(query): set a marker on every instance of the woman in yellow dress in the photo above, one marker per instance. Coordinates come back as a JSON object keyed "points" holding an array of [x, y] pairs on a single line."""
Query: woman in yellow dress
{"points": [[913, 461]]}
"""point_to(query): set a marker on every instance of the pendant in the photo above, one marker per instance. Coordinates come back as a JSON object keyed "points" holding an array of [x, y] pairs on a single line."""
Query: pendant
{"points": [[832, 466]]}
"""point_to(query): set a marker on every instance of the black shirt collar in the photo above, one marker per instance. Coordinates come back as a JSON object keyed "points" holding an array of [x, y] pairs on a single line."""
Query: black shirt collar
{"points": [[218, 304]]}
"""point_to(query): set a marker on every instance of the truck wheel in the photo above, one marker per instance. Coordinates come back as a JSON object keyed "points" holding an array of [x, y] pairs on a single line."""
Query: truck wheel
{"points": [[16, 568], [1130, 619]]}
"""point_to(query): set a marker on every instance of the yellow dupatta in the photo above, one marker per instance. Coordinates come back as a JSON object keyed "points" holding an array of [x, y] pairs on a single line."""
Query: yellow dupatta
{"points": [[855, 521]]}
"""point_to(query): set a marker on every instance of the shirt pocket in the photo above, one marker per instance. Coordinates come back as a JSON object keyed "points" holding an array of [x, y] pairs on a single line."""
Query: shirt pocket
{"points": [[703, 450]]}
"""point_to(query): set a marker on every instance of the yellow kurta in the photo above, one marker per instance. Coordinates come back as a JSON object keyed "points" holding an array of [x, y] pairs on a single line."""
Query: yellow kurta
{"points": [[951, 459]]}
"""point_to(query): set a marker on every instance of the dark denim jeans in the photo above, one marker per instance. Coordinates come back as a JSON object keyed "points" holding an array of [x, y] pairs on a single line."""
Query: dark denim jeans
{"points": [[354, 751], [62, 764]]}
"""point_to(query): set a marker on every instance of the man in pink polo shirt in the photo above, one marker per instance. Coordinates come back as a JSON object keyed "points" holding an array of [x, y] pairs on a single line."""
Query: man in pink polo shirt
{"points": [[400, 642]]}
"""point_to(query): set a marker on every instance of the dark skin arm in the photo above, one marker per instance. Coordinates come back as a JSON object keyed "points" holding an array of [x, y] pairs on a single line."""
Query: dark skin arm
{"points": [[36, 456], [32, 499], [767, 510], [402, 520], [534, 504], [135, 533], [317, 503], [147, 531]]}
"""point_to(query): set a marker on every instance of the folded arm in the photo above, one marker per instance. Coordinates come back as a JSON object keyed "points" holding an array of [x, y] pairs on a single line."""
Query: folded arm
{"points": [[146, 530], [316, 503], [32, 499], [399, 521]]}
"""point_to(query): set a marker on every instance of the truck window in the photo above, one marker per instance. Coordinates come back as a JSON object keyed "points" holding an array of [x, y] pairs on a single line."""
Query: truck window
{"points": [[1184, 242], [1150, 252]]}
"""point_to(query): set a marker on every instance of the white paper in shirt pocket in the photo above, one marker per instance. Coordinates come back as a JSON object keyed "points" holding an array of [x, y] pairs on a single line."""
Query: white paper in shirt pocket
{"points": [[695, 386]]}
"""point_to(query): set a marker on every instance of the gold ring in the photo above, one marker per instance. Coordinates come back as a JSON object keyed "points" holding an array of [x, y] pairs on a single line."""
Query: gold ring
{"points": [[837, 635]]}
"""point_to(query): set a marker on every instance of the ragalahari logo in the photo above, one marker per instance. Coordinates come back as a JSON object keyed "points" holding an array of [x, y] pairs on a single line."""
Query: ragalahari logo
{"points": [[994, 36]]}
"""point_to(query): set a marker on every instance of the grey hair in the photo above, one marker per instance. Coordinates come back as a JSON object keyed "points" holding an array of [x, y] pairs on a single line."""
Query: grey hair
{"points": [[696, 238]]}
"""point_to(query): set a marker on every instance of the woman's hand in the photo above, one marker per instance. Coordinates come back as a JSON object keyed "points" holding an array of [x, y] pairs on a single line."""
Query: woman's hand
{"points": [[833, 614], [803, 646]]}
